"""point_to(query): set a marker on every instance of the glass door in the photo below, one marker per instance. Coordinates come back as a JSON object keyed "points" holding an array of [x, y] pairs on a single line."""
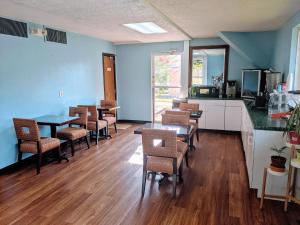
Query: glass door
{"points": [[166, 82]]}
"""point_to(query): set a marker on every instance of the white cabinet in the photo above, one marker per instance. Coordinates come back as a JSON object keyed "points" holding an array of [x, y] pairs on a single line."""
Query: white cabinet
{"points": [[215, 117], [233, 118], [220, 114]]}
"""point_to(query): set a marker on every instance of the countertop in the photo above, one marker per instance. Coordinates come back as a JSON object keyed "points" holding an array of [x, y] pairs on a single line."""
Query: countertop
{"points": [[261, 120], [259, 117]]}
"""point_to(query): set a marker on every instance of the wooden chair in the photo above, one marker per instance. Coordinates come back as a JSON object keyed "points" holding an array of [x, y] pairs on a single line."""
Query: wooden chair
{"points": [[72, 133], [94, 124], [29, 140], [191, 107], [110, 116], [181, 120], [165, 157]]}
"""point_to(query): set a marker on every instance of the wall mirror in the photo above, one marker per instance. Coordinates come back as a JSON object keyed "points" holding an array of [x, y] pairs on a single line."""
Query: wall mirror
{"points": [[208, 65]]}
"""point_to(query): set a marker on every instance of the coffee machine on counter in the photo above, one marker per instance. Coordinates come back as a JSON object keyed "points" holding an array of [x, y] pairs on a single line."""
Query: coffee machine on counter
{"points": [[231, 88]]}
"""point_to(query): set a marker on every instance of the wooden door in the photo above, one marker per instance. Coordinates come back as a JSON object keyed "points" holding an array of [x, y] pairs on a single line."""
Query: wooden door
{"points": [[109, 77]]}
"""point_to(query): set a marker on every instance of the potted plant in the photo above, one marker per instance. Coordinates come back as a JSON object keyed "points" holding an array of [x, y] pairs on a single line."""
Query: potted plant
{"points": [[292, 128], [278, 161]]}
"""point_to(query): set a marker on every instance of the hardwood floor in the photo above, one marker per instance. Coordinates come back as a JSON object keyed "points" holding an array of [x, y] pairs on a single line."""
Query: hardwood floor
{"points": [[103, 186]]}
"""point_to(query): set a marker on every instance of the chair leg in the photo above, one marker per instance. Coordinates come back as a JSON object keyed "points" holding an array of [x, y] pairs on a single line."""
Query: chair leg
{"points": [[174, 181], [115, 125], [174, 176], [20, 156], [87, 141], [97, 136], [59, 154], [38, 162], [180, 172], [72, 148], [187, 159], [144, 175], [197, 135]]}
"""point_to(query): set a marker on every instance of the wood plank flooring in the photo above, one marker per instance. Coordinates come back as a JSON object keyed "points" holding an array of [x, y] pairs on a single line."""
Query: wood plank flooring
{"points": [[103, 186]]}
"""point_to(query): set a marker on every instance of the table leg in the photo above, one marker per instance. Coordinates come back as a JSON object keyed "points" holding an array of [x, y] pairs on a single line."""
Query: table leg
{"points": [[53, 135], [53, 131]]}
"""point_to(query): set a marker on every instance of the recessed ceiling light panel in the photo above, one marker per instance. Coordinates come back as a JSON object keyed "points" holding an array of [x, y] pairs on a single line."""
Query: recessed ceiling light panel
{"points": [[146, 28]]}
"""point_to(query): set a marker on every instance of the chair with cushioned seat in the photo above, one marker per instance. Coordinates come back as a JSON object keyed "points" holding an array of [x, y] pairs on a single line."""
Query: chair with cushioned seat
{"points": [[191, 107], [110, 116], [94, 124], [29, 140], [180, 118], [72, 133], [165, 157]]}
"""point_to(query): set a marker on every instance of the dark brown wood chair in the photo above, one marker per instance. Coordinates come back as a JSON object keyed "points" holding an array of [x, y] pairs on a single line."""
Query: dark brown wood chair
{"points": [[72, 133], [165, 157], [29, 140]]}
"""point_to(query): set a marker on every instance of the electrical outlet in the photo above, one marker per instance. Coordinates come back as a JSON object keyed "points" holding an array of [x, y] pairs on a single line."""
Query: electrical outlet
{"points": [[61, 93]]}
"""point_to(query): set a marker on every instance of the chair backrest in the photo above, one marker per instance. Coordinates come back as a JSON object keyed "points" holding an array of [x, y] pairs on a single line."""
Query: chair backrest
{"points": [[92, 112], [109, 103], [178, 112], [81, 112], [167, 146], [189, 106], [175, 119], [26, 129]]}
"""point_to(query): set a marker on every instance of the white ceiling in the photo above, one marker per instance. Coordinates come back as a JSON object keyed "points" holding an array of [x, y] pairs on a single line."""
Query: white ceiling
{"points": [[183, 19]]}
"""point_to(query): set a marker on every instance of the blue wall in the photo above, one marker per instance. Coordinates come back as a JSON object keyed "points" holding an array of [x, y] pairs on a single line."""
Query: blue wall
{"points": [[285, 46], [215, 66], [32, 72], [255, 47], [134, 77]]}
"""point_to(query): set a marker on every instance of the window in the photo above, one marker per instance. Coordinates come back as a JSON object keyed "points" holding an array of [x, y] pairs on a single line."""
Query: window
{"points": [[199, 70], [166, 82]]}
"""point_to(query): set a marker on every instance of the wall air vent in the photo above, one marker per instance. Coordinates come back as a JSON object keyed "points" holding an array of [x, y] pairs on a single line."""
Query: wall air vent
{"points": [[56, 36], [14, 28]]}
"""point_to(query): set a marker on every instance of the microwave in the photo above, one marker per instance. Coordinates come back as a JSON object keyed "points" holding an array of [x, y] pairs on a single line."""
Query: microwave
{"points": [[203, 91]]}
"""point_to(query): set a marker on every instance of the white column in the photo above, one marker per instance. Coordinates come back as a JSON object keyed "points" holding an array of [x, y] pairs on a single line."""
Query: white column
{"points": [[185, 69]]}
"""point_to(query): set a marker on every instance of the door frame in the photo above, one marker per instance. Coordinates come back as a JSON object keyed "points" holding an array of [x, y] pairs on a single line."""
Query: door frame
{"points": [[152, 86], [114, 56]]}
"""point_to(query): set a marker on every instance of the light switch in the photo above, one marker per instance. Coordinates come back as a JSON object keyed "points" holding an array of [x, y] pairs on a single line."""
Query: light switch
{"points": [[61, 93]]}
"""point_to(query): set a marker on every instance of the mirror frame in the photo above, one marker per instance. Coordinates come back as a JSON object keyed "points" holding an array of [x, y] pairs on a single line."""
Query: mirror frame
{"points": [[226, 60]]}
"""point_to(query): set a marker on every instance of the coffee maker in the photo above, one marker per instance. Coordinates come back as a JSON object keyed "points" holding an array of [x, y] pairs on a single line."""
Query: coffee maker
{"points": [[231, 88]]}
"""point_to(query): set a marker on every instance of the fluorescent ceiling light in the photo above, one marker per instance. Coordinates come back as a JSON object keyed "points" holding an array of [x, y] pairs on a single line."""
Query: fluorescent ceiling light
{"points": [[146, 28]]}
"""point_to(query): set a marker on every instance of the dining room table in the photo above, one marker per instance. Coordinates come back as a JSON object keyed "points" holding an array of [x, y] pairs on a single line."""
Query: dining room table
{"points": [[54, 121]]}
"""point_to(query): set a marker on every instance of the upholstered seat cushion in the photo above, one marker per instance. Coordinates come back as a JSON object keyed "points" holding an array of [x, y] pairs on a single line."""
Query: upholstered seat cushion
{"points": [[92, 125], [164, 165], [46, 144], [110, 119], [71, 133]]}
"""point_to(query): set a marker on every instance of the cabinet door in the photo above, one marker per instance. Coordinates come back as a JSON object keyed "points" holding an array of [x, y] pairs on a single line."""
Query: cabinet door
{"points": [[233, 118], [215, 117]]}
